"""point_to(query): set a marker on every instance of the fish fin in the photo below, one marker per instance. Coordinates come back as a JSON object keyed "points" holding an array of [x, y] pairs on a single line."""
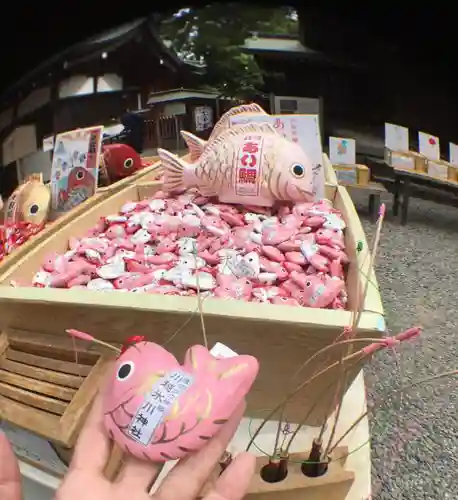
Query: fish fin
{"points": [[245, 108], [208, 192], [248, 128], [174, 169], [195, 145]]}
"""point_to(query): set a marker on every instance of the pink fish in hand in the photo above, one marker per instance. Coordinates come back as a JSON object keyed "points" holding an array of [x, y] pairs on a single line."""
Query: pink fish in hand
{"points": [[158, 410], [267, 168]]}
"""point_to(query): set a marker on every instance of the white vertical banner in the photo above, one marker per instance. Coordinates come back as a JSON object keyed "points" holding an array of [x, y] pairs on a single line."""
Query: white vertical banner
{"points": [[342, 151], [396, 137], [301, 129]]}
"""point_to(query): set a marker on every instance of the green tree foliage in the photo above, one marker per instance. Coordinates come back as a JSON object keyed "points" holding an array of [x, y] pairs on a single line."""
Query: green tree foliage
{"points": [[214, 35]]}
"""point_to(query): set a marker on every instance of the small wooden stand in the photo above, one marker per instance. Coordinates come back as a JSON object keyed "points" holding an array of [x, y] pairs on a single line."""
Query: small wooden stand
{"points": [[333, 485]]}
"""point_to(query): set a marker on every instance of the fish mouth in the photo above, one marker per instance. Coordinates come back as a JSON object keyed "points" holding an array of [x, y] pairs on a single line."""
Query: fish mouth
{"points": [[304, 192]]}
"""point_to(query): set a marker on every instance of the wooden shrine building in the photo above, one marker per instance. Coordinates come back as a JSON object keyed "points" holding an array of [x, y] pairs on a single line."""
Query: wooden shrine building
{"points": [[87, 84]]}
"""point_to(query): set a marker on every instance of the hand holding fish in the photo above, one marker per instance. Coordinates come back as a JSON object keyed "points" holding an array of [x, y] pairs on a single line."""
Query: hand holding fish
{"points": [[85, 478]]}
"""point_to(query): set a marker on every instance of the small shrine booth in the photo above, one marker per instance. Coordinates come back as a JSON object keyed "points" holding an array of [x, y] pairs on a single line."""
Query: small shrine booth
{"points": [[183, 109]]}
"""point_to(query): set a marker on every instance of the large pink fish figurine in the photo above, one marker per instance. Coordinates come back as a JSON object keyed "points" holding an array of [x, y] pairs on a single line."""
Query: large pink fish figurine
{"points": [[250, 164], [159, 410], [196, 145]]}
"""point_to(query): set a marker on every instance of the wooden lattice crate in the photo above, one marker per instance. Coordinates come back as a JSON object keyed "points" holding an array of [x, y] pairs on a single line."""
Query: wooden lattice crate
{"points": [[47, 385]]}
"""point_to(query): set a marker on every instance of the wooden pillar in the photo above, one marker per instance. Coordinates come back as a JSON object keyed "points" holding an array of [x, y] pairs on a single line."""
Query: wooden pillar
{"points": [[54, 105]]}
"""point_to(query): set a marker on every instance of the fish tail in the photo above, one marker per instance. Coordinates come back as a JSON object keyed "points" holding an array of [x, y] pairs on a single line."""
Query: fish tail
{"points": [[195, 144], [174, 170]]}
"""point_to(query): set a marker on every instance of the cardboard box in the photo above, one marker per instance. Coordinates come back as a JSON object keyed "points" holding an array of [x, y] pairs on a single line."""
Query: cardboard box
{"points": [[352, 175], [406, 160]]}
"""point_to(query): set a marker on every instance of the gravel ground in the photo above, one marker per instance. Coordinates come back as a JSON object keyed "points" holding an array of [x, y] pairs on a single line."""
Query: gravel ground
{"points": [[415, 439]]}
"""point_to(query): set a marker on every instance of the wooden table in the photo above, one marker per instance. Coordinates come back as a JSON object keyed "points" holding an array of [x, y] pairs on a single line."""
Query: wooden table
{"points": [[39, 485], [404, 179]]}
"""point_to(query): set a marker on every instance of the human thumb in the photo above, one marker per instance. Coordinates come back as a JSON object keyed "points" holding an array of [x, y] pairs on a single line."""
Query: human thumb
{"points": [[10, 477]]}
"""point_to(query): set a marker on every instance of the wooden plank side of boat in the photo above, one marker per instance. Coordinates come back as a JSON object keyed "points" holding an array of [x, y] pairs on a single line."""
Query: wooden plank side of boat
{"points": [[329, 172], [281, 337], [144, 175]]}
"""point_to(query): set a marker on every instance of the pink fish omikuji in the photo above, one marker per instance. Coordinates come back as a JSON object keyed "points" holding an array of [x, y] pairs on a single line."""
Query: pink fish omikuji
{"points": [[158, 410], [267, 168]]}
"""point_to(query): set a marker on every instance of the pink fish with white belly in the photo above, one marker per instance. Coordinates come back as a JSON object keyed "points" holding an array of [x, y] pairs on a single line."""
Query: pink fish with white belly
{"points": [[249, 164]]}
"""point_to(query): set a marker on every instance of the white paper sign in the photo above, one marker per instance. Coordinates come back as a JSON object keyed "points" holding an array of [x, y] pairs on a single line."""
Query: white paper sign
{"points": [[396, 137], [220, 350], [453, 153], [203, 117], [428, 145], [48, 143], [301, 129], [342, 151], [157, 405]]}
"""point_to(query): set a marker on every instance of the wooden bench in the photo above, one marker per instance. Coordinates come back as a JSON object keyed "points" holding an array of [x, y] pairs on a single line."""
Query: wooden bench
{"points": [[375, 190]]}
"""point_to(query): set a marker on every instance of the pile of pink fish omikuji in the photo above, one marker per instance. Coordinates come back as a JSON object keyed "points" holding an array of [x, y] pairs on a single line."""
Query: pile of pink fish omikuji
{"points": [[12, 237], [185, 244]]}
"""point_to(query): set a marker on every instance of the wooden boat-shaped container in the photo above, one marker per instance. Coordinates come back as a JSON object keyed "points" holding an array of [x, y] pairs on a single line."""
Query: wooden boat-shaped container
{"points": [[57, 224], [281, 337]]}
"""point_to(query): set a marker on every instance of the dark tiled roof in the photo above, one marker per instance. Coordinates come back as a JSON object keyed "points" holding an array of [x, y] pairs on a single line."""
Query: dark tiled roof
{"points": [[95, 46]]}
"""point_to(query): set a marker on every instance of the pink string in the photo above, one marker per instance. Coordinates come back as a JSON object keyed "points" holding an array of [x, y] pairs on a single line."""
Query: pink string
{"points": [[391, 341], [80, 335]]}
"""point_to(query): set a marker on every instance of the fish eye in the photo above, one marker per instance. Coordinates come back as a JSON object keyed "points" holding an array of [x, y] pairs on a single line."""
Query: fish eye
{"points": [[128, 163], [33, 209], [298, 170], [125, 371], [308, 283], [80, 174]]}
